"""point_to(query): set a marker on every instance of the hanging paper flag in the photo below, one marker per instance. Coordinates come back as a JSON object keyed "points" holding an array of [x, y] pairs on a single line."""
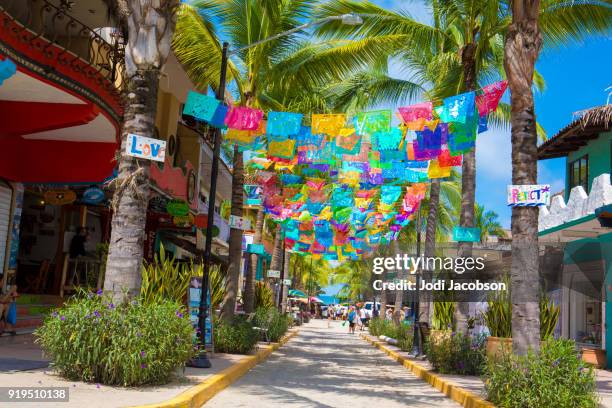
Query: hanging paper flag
{"points": [[288, 179], [418, 113], [243, 118], [483, 124], [348, 142], [491, 95], [328, 124], [424, 154], [284, 123], [446, 160], [458, 107], [200, 106], [431, 140], [342, 198], [374, 121], [387, 140], [415, 176], [284, 149], [305, 137], [241, 137], [387, 156], [390, 194], [436, 171]]}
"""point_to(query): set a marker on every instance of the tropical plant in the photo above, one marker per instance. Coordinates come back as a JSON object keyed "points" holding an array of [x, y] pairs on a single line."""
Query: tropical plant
{"points": [[264, 297], [442, 318], [487, 222], [457, 353], [164, 279], [216, 281], [91, 339], [235, 335], [150, 30], [555, 377], [549, 317], [277, 323], [498, 316]]}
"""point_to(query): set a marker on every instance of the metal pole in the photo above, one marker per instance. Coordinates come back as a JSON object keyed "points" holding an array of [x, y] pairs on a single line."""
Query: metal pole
{"points": [[416, 342], [202, 361], [282, 274]]}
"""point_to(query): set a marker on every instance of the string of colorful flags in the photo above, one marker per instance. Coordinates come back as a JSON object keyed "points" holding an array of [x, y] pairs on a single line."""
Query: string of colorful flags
{"points": [[340, 186]]}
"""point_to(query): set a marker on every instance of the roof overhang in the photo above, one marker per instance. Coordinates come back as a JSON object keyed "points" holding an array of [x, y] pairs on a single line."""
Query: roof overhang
{"points": [[585, 227]]}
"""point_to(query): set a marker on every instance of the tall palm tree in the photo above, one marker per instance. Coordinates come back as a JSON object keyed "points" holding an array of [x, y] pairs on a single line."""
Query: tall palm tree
{"points": [[488, 224], [150, 29], [471, 34]]}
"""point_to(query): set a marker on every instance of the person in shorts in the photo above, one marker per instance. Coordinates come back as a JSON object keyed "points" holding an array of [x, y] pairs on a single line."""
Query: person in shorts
{"points": [[362, 317], [352, 316]]}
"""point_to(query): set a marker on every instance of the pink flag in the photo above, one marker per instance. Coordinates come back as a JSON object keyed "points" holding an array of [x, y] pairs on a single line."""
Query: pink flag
{"points": [[492, 93], [413, 113], [243, 118]]}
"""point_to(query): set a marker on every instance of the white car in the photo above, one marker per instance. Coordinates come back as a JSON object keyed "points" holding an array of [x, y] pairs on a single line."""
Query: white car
{"points": [[368, 309]]}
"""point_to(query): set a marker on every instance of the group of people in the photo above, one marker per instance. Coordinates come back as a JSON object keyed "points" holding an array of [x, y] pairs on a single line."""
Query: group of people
{"points": [[354, 315]]}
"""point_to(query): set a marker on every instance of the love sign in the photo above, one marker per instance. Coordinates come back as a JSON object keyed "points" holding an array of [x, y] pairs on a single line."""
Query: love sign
{"points": [[145, 148], [528, 195]]}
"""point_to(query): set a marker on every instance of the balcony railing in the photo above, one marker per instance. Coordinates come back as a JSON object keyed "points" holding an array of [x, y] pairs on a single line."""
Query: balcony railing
{"points": [[53, 31]]}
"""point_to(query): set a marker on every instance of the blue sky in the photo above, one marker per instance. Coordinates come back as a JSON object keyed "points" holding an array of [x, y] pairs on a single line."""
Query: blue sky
{"points": [[576, 77]]}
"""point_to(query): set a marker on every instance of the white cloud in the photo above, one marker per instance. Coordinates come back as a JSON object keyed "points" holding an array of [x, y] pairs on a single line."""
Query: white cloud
{"points": [[494, 155]]}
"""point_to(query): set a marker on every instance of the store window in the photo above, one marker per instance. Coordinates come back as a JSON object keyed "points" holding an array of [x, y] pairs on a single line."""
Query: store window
{"points": [[579, 173]]}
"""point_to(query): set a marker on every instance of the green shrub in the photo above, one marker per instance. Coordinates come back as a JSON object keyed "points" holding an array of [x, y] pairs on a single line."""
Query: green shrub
{"points": [[457, 354], [557, 377], [498, 316], [264, 297], [402, 333], [90, 339], [216, 281], [236, 336], [276, 322], [549, 317]]}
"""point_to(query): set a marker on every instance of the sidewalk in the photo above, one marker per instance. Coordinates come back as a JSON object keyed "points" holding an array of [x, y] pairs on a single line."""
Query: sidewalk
{"points": [[95, 395], [475, 385]]}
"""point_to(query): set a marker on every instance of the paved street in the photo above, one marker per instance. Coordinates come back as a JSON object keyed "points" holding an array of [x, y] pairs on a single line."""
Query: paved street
{"points": [[324, 367]]}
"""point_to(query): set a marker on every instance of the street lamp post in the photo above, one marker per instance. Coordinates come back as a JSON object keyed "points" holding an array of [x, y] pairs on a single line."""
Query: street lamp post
{"points": [[202, 361], [417, 349]]}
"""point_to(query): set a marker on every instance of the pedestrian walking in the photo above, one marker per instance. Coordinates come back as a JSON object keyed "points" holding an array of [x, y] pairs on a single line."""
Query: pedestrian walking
{"points": [[352, 316], [330, 315], [363, 317]]}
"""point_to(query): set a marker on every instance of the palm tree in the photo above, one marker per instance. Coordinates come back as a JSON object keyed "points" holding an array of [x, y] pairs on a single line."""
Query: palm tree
{"points": [[487, 222], [468, 39], [150, 30]]}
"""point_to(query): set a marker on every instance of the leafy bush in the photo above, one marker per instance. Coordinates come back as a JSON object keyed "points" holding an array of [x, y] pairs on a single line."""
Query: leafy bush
{"points": [[557, 377], [442, 318], [235, 336], [403, 333], [264, 297], [549, 317], [135, 343], [164, 279], [457, 354], [276, 322]]}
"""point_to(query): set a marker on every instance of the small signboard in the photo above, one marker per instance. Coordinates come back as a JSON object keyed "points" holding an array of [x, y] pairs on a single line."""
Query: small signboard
{"points": [[287, 282], [195, 294], [528, 195], [145, 148], [240, 223], [466, 234], [273, 273]]}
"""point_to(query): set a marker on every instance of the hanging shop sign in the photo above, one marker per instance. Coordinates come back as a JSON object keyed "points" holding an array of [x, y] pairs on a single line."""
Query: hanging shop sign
{"points": [[93, 195], [257, 249], [287, 282], [273, 274], [240, 223], [59, 197], [528, 195], [145, 148], [177, 208], [195, 295], [466, 234], [183, 220], [158, 204]]}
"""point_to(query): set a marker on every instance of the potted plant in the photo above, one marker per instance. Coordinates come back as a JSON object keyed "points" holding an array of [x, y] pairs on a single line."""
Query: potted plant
{"points": [[498, 319], [441, 321]]}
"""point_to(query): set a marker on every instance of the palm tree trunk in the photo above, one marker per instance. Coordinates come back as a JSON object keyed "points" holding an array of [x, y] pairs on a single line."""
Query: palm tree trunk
{"points": [[399, 293], [148, 27], [523, 44], [468, 185], [285, 287], [235, 238], [276, 262], [248, 298], [425, 303]]}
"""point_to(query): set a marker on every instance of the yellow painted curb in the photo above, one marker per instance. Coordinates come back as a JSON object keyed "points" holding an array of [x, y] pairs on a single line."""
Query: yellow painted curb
{"points": [[453, 391], [196, 396]]}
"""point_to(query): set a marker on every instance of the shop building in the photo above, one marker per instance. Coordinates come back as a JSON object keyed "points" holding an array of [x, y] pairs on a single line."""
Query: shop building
{"points": [[577, 227]]}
